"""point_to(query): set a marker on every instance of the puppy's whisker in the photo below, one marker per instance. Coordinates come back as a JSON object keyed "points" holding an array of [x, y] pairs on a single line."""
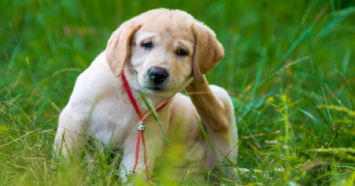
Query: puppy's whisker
{"points": [[131, 69], [127, 68], [132, 77], [173, 82]]}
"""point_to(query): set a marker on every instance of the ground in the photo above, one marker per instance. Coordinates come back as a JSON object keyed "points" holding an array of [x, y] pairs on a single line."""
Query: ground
{"points": [[289, 68]]}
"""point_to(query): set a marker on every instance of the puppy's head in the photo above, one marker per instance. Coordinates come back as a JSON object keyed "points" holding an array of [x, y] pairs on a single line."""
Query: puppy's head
{"points": [[162, 51]]}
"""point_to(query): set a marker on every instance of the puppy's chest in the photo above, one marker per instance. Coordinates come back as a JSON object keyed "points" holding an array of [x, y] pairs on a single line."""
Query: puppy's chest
{"points": [[112, 120]]}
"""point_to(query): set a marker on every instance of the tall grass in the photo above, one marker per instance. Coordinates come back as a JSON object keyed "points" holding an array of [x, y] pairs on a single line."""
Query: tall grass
{"points": [[289, 68]]}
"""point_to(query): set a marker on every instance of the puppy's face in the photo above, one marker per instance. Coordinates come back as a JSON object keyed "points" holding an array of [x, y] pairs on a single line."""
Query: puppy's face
{"points": [[161, 57], [162, 51]]}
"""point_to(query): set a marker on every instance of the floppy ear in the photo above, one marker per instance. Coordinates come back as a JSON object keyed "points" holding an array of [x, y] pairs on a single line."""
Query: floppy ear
{"points": [[208, 51], [117, 50]]}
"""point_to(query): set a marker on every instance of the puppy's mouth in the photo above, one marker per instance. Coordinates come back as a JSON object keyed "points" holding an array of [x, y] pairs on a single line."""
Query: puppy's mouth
{"points": [[155, 88]]}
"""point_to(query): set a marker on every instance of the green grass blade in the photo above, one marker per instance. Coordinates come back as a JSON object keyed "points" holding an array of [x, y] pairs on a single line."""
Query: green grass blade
{"points": [[155, 116]]}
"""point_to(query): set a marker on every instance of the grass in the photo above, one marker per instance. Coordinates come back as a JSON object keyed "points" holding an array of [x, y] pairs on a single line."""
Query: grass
{"points": [[289, 68]]}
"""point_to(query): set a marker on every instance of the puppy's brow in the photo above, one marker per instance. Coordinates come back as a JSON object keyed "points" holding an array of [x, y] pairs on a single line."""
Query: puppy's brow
{"points": [[144, 36], [186, 44]]}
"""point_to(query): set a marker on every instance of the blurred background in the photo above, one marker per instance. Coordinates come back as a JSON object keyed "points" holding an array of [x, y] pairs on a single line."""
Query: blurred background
{"points": [[289, 68]]}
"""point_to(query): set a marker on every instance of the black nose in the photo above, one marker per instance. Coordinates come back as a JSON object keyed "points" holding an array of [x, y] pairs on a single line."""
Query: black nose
{"points": [[157, 74]]}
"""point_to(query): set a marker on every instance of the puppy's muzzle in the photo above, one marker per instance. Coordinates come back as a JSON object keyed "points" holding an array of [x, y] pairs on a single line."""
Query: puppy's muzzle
{"points": [[157, 75]]}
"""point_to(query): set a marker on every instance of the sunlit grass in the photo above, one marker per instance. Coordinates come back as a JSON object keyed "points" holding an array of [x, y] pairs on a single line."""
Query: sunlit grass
{"points": [[288, 66]]}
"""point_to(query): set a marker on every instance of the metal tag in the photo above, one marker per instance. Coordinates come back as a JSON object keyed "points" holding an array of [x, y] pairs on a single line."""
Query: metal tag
{"points": [[130, 172], [141, 126]]}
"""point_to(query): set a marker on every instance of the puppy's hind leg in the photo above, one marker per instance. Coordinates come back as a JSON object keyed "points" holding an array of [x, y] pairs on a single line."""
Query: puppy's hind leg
{"points": [[225, 143], [216, 111]]}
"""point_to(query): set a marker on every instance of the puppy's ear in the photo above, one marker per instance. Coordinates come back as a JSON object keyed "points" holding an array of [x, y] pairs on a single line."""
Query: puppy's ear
{"points": [[117, 50], [208, 51]]}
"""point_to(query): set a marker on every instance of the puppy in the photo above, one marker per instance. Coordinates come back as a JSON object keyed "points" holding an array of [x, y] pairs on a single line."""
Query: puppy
{"points": [[161, 52]]}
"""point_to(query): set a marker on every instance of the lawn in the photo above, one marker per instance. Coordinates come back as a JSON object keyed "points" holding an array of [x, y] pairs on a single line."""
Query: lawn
{"points": [[289, 67]]}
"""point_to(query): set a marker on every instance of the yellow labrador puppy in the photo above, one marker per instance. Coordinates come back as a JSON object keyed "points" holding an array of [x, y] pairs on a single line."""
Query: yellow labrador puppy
{"points": [[161, 53]]}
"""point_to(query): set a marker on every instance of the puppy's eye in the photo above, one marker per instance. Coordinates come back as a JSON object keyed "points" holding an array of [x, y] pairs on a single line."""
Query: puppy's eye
{"points": [[181, 52], [147, 45]]}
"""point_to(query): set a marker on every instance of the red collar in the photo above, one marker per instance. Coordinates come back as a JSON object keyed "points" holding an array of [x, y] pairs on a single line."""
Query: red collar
{"points": [[141, 125]]}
